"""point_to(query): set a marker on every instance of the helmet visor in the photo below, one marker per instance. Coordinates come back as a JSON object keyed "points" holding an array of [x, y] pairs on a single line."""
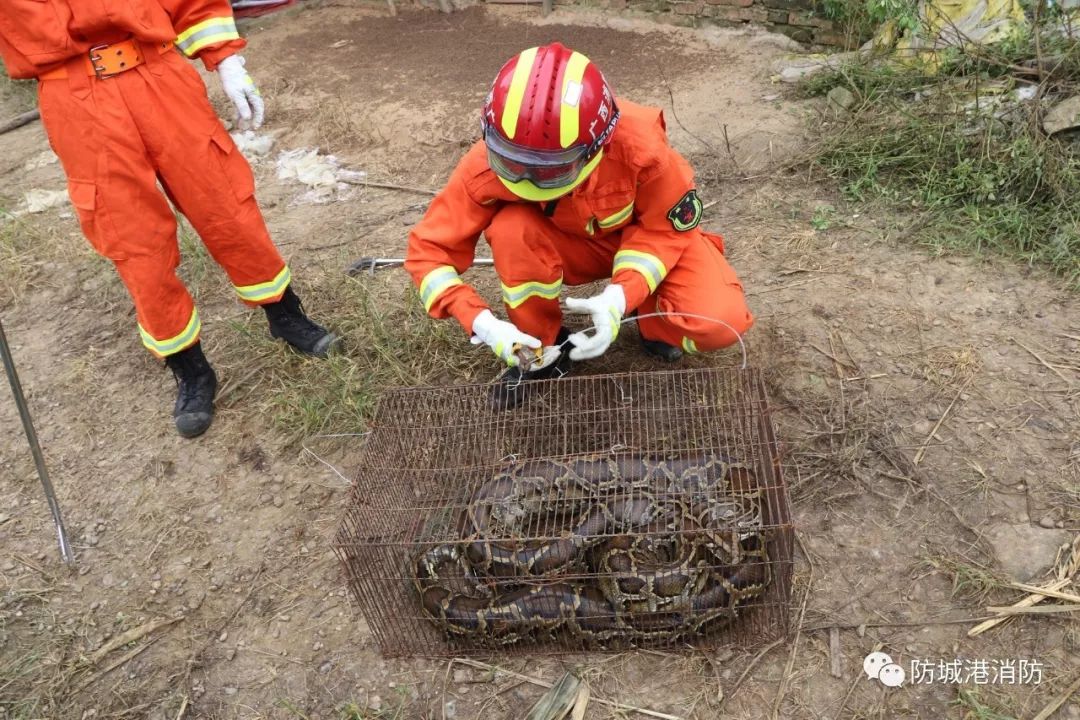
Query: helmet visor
{"points": [[545, 169]]}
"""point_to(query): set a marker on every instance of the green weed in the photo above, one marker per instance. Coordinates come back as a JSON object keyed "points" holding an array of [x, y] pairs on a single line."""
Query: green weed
{"points": [[958, 147], [969, 703]]}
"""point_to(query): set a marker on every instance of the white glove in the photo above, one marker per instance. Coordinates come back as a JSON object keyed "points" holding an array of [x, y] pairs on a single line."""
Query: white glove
{"points": [[241, 89], [606, 310], [502, 337]]}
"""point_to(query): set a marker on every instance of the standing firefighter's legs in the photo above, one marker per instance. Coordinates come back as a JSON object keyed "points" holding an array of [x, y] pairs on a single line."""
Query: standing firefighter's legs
{"points": [[212, 184], [117, 138], [704, 287]]}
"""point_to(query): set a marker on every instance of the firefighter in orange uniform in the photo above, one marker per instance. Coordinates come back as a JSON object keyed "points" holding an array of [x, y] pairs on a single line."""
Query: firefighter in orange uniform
{"points": [[569, 186], [125, 111]]}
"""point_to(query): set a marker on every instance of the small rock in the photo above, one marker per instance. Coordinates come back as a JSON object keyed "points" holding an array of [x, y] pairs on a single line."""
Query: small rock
{"points": [[9, 566], [223, 636], [326, 667], [230, 691], [278, 502], [1047, 522], [230, 654], [461, 676], [91, 540], [317, 647], [1059, 524], [726, 674], [841, 99], [1024, 551], [374, 703], [1063, 116], [861, 631], [450, 709], [284, 618], [912, 648]]}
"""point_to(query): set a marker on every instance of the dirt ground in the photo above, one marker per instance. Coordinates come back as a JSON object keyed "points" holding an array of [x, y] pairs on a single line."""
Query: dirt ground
{"points": [[929, 408]]}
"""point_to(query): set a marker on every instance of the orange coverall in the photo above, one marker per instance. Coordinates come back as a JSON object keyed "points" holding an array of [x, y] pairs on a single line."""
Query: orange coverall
{"points": [[616, 224], [118, 137]]}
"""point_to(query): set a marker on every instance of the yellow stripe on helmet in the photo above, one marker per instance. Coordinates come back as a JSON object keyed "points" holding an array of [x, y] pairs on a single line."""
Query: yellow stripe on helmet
{"points": [[571, 99], [516, 95]]}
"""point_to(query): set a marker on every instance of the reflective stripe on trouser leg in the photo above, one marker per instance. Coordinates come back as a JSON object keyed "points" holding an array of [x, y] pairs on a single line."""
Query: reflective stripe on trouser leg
{"points": [[517, 294], [172, 345], [265, 292]]}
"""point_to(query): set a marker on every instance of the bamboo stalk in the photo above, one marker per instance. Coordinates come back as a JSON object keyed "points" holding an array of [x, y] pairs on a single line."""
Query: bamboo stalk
{"points": [[1029, 601]]}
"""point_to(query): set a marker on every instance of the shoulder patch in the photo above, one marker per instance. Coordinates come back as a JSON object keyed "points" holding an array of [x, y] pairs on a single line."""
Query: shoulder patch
{"points": [[687, 212]]}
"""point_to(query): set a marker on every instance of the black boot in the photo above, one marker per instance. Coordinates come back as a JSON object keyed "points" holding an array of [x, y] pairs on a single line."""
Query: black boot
{"points": [[288, 322], [658, 348], [514, 386], [196, 384], [661, 350]]}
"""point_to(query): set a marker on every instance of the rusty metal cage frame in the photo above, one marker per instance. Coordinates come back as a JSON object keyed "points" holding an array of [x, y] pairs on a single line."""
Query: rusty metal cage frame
{"points": [[431, 448]]}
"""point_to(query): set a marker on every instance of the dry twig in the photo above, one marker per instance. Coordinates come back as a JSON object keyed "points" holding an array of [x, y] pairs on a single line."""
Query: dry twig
{"points": [[1045, 364], [130, 636], [937, 426], [1054, 704], [390, 186]]}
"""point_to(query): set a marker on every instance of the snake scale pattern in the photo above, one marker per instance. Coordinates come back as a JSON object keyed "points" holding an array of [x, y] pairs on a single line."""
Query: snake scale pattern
{"points": [[607, 549]]}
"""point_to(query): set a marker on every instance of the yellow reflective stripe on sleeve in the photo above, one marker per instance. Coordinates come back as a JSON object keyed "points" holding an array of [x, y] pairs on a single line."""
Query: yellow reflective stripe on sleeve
{"points": [[436, 282], [176, 343], [514, 296], [516, 95], [569, 115], [617, 218], [267, 290], [689, 345], [208, 32], [648, 265]]}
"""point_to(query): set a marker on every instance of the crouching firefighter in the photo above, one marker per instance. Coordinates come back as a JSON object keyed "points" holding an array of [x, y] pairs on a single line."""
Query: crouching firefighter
{"points": [[125, 111], [571, 185]]}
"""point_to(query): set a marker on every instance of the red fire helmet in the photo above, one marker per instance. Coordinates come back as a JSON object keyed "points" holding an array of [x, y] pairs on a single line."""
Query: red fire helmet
{"points": [[546, 120]]}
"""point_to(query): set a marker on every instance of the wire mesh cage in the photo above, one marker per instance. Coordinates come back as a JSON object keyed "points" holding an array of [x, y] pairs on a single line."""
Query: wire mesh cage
{"points": [[609, 511]]}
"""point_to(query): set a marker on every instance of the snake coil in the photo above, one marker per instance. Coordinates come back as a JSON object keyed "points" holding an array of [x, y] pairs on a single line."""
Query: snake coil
{"points": [[624, 549]]}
